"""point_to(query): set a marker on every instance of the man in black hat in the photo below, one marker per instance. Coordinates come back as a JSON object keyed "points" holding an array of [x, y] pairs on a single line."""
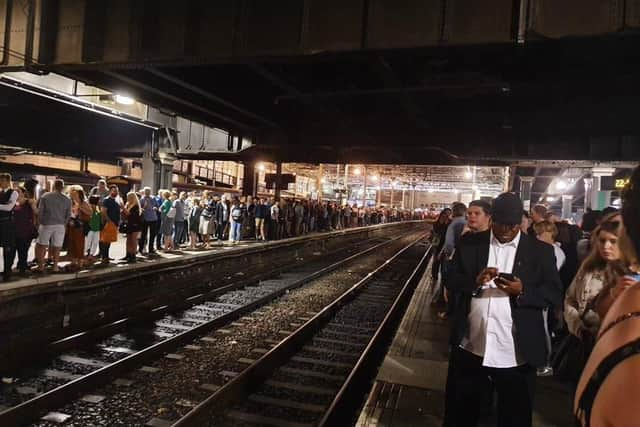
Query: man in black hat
{"points": [[504, 279]]}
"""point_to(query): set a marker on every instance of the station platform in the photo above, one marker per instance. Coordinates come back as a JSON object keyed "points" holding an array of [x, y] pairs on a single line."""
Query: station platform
{"points": [[20, 284], [410, 385]]}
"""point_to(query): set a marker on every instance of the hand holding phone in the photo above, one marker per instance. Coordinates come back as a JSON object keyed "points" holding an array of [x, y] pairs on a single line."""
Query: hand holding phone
{"points": [[509, 284]]}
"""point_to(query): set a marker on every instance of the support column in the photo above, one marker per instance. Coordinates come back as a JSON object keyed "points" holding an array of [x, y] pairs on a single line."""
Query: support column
{"points": [[391, 201], [364, 186], [600, 199], [378, 195], [588, 187], [526, 182], [249, 179], [346, 182], [278, 179], [567, 202], [319, 186], [403, 198]]}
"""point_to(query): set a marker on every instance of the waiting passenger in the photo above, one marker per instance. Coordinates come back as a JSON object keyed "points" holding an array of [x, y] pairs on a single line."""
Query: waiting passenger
{"points": [[149, 208], [8, 198], [238, 213], [261, 216], [168, 213], [78, 223], [194, 222], [111, 222], [24, 216], [607, 392], [478, 216], [223, 208], [178, 219], [133, 221], [54, 210], [505, 280], [92, 238]]}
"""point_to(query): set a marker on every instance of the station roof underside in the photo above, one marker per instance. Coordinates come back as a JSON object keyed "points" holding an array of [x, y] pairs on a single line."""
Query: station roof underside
{"points": [[307, 84]]}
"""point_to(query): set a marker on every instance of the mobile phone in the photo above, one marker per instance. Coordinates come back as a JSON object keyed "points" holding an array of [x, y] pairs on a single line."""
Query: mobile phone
{"points": [[507, 276], [635, 277]]}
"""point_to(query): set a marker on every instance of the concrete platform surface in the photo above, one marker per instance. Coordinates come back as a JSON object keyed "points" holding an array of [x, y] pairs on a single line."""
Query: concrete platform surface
{"points": [[410, 384]]}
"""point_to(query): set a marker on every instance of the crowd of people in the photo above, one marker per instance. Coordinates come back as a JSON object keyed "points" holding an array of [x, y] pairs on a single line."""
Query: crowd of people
{"points": [[528, 294], [86, 225]]}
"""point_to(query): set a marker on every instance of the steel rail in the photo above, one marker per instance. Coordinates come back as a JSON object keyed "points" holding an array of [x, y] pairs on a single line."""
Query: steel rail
{"points": [[244, 383], [344, 405], [32, 409]]}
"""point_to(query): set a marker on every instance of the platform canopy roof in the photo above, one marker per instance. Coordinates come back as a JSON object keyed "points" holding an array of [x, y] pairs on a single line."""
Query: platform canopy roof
{"points": [[379, 81]]}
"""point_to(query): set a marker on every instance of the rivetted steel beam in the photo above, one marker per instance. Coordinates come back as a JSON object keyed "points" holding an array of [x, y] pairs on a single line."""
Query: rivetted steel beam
{"points": [[209, 95], [151, 89]]}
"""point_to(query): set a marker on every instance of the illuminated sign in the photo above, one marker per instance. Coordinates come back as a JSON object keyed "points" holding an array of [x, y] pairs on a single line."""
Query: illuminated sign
{"points": [[621, 182]]}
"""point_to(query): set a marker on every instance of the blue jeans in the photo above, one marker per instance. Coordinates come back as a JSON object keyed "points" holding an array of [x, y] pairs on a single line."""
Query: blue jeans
{"points": [[178, 230], [236, 231]]}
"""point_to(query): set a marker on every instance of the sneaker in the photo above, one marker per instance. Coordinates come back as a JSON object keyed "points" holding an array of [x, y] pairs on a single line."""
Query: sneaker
{"points": [[545, 371]]}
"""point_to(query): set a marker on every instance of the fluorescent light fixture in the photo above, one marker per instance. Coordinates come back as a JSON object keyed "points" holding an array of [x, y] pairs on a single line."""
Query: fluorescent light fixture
{"points": [[561, 184], [124, 100], [550, 199], [430, 190]]}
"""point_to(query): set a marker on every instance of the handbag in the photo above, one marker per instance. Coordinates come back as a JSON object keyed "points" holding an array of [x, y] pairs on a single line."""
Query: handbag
{"points": [[171, 213], [571, 356]]}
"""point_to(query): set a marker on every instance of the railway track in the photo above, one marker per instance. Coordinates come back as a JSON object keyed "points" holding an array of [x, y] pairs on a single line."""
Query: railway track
{"points": [[76, 367], [318, 374]]}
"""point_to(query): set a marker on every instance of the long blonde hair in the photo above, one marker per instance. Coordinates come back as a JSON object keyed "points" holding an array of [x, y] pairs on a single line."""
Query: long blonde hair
{"points": [[132, 196]]}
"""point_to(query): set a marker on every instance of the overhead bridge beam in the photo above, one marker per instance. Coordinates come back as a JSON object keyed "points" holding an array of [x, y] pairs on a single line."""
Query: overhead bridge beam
{"points": [[146, 32]]}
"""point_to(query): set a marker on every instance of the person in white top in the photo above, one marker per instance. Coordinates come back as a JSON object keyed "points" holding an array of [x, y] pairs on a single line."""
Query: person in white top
{"points": [[547, 232], [504, 279]]}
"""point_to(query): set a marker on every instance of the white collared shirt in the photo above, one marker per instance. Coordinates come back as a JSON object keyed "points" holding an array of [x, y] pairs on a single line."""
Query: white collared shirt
{"points": [[491, 329]]}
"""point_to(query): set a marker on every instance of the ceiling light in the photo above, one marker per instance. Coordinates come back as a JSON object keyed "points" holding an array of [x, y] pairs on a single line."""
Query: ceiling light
{"points": [[456, 191], [430, 190], [561, 184], [124, 100], [260, 167], [468, 175], [374, 177], [323, 180], [357, 171], [474, 187], [550, 199]]}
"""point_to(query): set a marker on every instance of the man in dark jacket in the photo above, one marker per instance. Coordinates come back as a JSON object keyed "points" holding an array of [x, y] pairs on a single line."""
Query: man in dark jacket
{"points": [[504, 280]]}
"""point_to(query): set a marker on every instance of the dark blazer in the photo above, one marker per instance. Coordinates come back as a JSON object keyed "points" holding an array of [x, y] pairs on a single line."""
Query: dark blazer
{"points": [[534, 264]]}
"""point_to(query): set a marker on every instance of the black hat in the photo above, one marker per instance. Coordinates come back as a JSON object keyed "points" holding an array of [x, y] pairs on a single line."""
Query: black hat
{"points": [[507, 209]]}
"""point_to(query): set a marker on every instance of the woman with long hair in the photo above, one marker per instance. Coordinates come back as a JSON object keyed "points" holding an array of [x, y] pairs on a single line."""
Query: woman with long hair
{"points": [[132, 216], [579, 302], [80, 216], [607, 392]]}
